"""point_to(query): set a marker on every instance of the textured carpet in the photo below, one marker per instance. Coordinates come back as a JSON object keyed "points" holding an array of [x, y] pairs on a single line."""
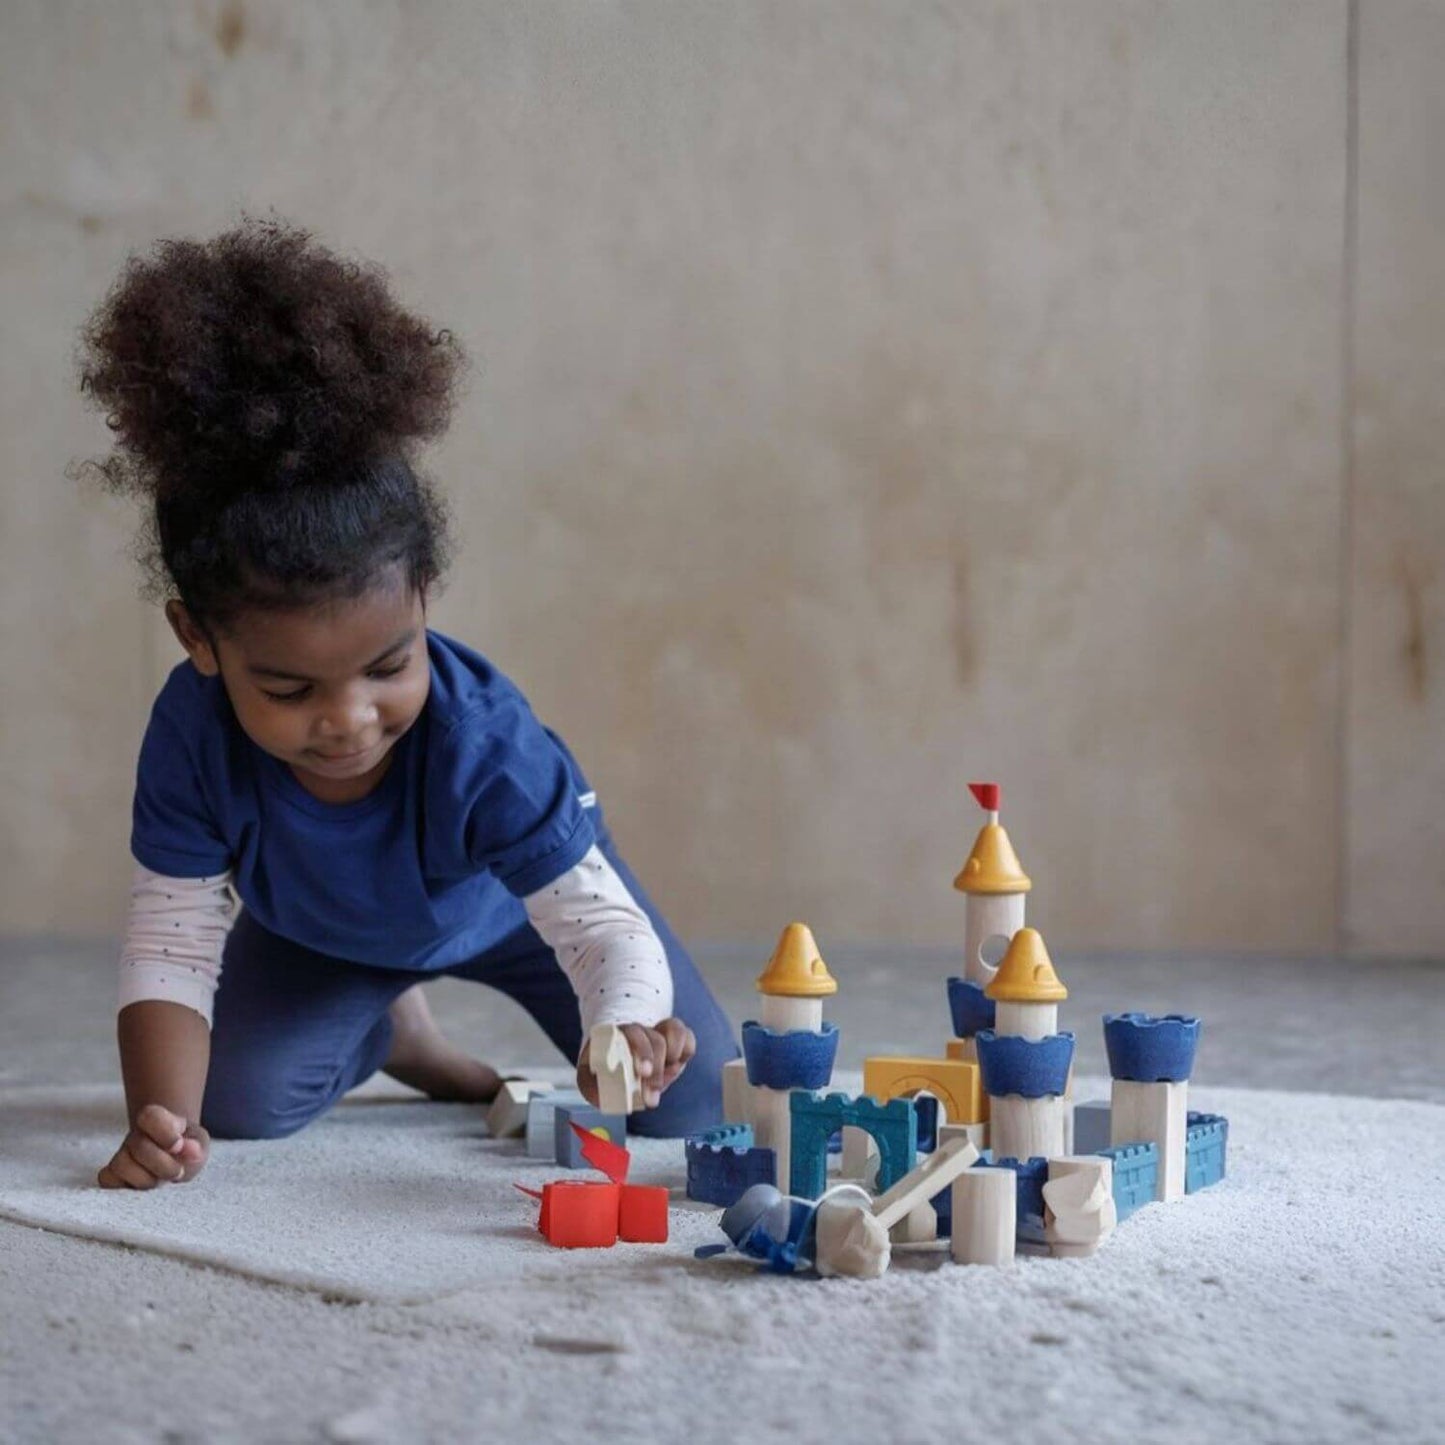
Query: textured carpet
{"points": [[1302, 1299]]}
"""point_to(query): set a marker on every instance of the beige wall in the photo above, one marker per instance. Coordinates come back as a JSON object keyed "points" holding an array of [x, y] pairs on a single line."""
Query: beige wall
{"points": [[869, 397]]}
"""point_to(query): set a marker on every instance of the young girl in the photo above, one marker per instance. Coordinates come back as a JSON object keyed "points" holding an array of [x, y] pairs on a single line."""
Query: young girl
{"points": [[381, 799]]}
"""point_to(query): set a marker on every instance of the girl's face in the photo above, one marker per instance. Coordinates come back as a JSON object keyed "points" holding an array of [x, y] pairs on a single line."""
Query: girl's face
{"points": [[326, 689]]}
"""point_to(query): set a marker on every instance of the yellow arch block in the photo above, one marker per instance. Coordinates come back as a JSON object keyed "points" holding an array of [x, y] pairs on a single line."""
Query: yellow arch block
{"points": [[956, 1084]]}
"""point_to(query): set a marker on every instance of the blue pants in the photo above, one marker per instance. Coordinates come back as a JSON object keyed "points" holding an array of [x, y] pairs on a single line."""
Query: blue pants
{"points": [[294, 1029]]}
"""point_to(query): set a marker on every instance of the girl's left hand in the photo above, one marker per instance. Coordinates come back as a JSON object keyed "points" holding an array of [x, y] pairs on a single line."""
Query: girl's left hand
{"points": [[660, 1051]]}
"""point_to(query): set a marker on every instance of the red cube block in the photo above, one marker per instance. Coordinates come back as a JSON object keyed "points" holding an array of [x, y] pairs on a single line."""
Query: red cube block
{"points": [[643, 1215], [580, 1214]]}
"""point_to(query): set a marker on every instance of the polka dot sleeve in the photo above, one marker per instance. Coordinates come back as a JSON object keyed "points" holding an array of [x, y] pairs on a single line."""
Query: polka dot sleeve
{"points": [[605, 943], [173, 944]]}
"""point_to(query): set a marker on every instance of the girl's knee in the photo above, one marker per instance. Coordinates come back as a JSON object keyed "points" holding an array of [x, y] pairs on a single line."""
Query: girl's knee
{"points": [[251, 1113]]}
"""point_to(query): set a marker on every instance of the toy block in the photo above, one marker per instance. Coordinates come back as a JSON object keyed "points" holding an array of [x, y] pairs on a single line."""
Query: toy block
{"points": [[541, 1121], [1025, 1128], [860, 1157], [985, 1206], [1145, 1049], [784, 1015], [642, 1214], [797, 1060], [772, 1116], [581, 1214], [725, 1136], [934, 1174], [815, 1117], [736, 1096], [1027, 1020], [768, 1226], [989, 923], [721, 1173], [970, 1007], [1206, 1137], [609, 1055], [1091, 1127], [976, 1134], [918, 1226], [568, 1147], [962, 1051], [1029, 1177], [1031, 1067], [848, 1240], [507, 1115], [1079, 1209], [956, 1085], [1136, 1172], [930, 1116], [1155, 1113]]}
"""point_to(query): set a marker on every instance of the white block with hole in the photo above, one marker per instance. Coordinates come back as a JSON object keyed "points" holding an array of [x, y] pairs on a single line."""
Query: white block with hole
{"points": [[1153, 1114], [990, 922], [985, 1216]]}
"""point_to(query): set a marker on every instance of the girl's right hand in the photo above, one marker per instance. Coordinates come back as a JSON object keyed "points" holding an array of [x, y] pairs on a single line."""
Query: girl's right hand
{"points": [[161, 1148]]}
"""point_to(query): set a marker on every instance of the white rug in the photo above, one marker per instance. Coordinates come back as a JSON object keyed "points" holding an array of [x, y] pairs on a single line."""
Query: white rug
{"points": [[1302, 1299]]}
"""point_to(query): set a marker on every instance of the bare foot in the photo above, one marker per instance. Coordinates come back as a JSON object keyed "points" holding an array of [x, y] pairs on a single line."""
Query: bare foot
{"points": [[423, 1057]]}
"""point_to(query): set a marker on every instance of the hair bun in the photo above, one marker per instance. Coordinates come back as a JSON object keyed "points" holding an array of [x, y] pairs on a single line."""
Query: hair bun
{"points": [[259, 361]]}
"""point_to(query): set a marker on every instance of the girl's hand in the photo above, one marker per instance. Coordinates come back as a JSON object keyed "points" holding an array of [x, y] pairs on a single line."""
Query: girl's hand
{"points": [[660, 1052], [161, 1148]]}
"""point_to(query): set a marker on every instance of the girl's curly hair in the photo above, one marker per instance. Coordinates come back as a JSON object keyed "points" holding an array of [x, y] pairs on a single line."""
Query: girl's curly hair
{"points": [[268, 397]]}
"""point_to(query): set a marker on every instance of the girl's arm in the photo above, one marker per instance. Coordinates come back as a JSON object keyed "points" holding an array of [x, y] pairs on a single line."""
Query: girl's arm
{"points": [[609, 950], [170, 966]]}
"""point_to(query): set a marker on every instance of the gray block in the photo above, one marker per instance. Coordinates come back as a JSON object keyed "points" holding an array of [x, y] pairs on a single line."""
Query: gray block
{"points": [[541, 1115], [1091, 1126]]}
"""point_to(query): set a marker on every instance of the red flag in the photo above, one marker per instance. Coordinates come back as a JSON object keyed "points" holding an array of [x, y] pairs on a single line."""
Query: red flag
{"points": [[612, 1159], [987, 795]]}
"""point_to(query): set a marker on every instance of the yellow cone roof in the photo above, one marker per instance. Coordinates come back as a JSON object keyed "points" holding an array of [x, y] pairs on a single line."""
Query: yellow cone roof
{"points": [[1026, 974], [796, 969], [993, 866]]}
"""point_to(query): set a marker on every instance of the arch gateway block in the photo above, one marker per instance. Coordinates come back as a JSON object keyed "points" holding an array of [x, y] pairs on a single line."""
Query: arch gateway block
{"points": [[956, 1083], [815, 1118]]}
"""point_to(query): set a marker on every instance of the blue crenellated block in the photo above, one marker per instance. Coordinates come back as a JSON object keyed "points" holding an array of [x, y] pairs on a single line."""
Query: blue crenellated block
{"points": [[1147, 1049], [1031, 1067], [1032, 1175], [1205, 1139], [1136, 1176], [797, 1059], [722, 1173], [725, 1136], [814, 1117], [1091, 1126], [568, 1146], [972, 1009]]}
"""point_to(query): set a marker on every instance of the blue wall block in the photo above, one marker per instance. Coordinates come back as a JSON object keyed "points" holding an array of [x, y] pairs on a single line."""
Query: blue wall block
{"points": [[972, 1009], [798, 1059], [1205, 1138], [541, 1140], [1149, 1049], [1031, 1067], [928, 1112], [1136, 1176], [721, 1174], [1091, 1126], [731, 1136], [815, 1116], [568, 1145], [1032, 1175]]}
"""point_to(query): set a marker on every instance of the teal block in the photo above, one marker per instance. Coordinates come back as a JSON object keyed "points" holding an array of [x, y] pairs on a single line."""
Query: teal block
{"points": [[816, 1117]]}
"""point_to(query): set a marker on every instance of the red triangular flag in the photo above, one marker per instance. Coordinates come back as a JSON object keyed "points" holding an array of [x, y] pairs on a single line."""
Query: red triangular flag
{"points": [[612, 1159], [987, 795]]}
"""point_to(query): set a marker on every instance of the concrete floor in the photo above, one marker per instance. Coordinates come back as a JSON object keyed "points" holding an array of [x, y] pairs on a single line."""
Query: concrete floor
{"points": [[1317, 1025]]}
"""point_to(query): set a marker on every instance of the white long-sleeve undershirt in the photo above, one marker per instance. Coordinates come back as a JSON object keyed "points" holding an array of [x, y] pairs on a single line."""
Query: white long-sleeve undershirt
{"points": [[604, 942]]}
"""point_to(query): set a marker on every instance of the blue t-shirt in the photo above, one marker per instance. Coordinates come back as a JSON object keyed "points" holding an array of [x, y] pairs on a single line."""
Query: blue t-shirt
{"points": [[481, 806]]}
